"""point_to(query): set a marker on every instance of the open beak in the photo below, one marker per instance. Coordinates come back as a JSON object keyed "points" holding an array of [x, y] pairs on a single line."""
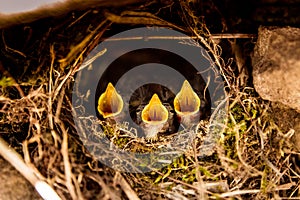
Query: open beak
{"points": [[110, 103], [154, 115], [187, 103], [155, 112]]}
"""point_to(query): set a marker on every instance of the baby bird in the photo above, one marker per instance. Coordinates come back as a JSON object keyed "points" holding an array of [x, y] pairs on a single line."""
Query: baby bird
{"points": [[110, 102], [154, 118], [187, 105]]}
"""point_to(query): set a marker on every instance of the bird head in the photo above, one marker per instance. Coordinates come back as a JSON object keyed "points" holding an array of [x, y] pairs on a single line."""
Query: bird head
{"points": [[110, 102], [187, 105], [154, 117]]}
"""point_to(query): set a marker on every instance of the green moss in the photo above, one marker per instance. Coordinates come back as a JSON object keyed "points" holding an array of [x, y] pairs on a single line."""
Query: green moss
{"points": [[6, 82], [205, 171], [264, 181]]}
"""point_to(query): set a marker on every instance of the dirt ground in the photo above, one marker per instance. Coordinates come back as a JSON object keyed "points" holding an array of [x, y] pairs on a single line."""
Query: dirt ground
{"points": [[256, 154]]}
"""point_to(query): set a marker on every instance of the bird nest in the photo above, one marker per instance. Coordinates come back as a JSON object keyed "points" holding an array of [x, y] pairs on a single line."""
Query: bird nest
{"points": [[249, 158]]}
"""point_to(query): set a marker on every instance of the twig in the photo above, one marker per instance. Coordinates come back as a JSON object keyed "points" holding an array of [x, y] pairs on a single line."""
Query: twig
{"points": [[239, 153], [241, 192], [184, 183], [50, 100], [232, 35], [78, 48], [108, 192], [212, 36], [131, 194], [238, 192], [67, 165], [202, 194], [131, 17], [9, 154]]}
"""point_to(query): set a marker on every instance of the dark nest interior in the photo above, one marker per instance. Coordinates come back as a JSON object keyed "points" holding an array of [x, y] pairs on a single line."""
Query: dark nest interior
{"points": [[253, 156]]}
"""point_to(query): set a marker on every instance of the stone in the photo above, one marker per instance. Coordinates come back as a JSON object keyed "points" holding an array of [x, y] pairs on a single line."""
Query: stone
{"points": [[14, 12], [287, 120], [276, 76], [13, 185], [276, 65]]}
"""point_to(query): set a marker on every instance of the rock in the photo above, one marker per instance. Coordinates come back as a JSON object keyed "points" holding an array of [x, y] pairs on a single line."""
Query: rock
{"points": [[287, 119], [276, 65], [15, 12], [13, 185], [276, 76]]}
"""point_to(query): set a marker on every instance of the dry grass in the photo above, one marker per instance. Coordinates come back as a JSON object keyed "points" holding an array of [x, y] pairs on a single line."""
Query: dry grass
{"points": [[253, 159]]}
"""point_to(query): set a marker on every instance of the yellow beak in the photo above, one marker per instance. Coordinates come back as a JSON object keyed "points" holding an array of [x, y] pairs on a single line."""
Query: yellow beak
{"points": [[110, 103], [186, 101], [155, 112]]}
